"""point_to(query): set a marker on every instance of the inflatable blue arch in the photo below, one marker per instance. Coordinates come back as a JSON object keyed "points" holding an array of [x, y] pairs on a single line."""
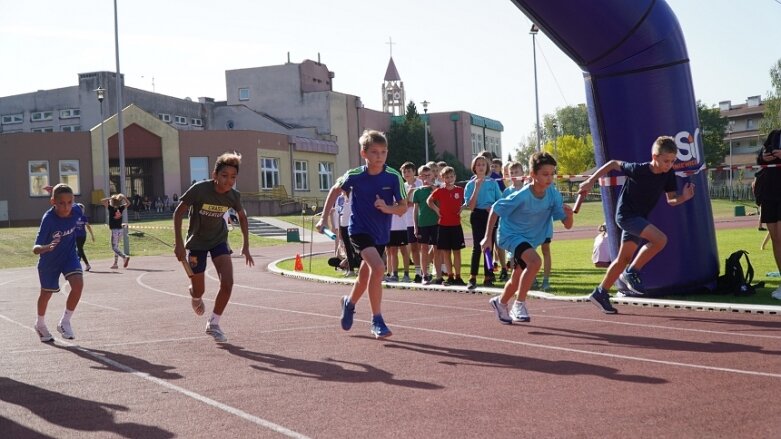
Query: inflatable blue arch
{"points": [[638, 87]]}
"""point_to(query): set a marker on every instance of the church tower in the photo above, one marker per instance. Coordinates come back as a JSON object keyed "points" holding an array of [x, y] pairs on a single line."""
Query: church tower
{"points": [[393, 99]]}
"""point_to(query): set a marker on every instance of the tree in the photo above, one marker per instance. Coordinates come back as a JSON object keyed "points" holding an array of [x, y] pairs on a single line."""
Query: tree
{"points": [[573, 120], [574, 155], [712, 127], [772, 117], [524, 152], [406, 142]]}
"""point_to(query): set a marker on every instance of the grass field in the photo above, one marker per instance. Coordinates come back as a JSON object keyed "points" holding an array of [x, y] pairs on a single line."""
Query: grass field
{"points": [[148, 238], [574, 274]]}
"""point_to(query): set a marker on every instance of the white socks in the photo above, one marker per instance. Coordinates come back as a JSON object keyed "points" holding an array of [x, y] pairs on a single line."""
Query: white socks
{"points": [[214, 319], [66, 316]]}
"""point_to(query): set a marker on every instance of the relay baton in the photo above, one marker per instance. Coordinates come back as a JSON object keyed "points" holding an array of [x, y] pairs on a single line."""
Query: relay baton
{"points": [[187, 268], [327, 232], [578, 202], [489, 259]]}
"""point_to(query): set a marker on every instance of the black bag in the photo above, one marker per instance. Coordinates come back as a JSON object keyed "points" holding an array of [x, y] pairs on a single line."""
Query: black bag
{"points": [[735, 280]]}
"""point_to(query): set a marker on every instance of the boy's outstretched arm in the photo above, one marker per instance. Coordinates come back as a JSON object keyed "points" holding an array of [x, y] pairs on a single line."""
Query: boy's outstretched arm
{"points": [[586, 186], [569, 220], [674, 199], [330, 200]]}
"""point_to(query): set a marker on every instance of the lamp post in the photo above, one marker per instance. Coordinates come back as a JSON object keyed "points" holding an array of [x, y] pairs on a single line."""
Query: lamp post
{"points": [[120, 128], [555, 139], [425, 127], [533, 31], [729, 135], [101, 93]]}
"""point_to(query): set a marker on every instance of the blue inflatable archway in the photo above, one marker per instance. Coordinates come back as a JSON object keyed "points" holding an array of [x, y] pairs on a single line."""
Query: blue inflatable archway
{"points": [[638, 87]]}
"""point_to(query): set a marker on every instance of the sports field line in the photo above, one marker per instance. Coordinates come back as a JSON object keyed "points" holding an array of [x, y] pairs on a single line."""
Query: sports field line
{"points": [[163, 383], [497, 340]]}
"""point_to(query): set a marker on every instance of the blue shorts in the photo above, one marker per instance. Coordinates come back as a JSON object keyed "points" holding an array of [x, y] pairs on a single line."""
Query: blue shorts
{"points": [[631, 228], [50, 279], [197, 258]]}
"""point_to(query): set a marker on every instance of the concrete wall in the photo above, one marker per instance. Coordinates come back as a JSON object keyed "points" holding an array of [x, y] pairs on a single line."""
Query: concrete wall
{"points": [[44, 100], [243, 118]]}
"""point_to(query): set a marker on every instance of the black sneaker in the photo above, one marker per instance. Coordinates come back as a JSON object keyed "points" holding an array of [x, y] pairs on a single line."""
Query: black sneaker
{"points": [[450, 281], [633, 281], [601, 299], [457, 282], [503, 276], [471, 285], [488, 282], [438, 281], [418, 279]]}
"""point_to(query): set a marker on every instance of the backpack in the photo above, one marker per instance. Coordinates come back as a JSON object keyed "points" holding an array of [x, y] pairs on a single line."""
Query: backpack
{"points": [[735, 280]]}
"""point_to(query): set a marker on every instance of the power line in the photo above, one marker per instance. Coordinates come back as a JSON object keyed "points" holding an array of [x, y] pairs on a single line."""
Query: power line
{"points": [[547, 64]]}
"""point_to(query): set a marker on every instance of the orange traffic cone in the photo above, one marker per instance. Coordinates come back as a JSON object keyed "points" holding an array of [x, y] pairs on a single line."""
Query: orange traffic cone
{"points": [[299, 265]]}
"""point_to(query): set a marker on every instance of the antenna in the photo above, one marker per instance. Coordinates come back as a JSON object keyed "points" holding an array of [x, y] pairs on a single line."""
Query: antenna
{"points": [[391, 43]]}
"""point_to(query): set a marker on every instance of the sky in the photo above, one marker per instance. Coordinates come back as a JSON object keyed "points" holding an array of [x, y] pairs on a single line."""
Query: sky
{"points": [[468, 55]]}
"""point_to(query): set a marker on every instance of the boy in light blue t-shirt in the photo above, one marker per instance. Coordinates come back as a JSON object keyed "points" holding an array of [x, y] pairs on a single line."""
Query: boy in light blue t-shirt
{"points": [[524, 217]]}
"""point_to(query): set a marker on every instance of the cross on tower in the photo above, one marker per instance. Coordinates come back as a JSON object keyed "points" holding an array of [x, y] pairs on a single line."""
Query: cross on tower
{"points": [[391, 43]]}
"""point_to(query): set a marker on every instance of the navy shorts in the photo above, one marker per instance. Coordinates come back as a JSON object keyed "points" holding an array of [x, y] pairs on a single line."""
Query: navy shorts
{"points": [[197, 258], [428, 234], [50, 279], [632, 227], [450, 238], [397, 238], [362, 241], [411, 238], [518, 252]]}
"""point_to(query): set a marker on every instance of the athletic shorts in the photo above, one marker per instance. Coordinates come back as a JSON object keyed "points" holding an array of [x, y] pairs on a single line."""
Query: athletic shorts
{"points": [[770, 212], [428, 234], [518, 252], [362, 241], [411, 238], [50, 279], [632, 227], [450, 238], [547, 240], [398, 238], [197, 258]]}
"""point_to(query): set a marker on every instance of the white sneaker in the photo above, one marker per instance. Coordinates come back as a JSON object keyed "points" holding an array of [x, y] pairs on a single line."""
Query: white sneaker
{"points": [[64, 328], [519, 313], [216, 332], [501, 311], [43, 333], [776, 294]]}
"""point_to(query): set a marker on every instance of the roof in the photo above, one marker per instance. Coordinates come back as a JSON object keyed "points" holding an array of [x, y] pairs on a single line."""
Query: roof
{"points": [[391, 74], [314, 145]]}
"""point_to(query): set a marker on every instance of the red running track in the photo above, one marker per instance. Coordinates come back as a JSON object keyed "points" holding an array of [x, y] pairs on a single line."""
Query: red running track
{"points": [[141, 365]]}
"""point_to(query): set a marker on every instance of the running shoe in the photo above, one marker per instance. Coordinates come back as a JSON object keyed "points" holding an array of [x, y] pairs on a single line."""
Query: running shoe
{"points": [[519, 313], [65, 329], [216, 332], [406, 278], [601, 299], [633, 281], [471, 285], [501, 311], [43, 333], [379, 329], [348, 309]]}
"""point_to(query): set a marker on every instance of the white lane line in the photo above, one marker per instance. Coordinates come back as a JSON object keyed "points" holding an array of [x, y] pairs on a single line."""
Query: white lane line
{"points": [[160, 382], [501, 340], [99, 306]]}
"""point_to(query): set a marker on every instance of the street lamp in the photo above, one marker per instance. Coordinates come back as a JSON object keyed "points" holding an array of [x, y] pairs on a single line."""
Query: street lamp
{"points": [[729, 135], [555, 139], [120, 129], [533, 31], [425, 127], [101, 93]]}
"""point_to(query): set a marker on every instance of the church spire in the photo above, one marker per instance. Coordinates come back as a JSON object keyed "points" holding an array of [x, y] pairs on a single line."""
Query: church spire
{"points": [[393, 88]]}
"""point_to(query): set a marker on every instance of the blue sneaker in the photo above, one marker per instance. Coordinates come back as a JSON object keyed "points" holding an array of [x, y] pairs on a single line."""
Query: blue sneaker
{"points": [[601, 299], [633, 281], [379, 329], [348, 309]]}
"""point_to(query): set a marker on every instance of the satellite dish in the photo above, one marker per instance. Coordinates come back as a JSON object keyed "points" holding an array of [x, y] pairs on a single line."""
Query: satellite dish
{"points": [[229, 124]]}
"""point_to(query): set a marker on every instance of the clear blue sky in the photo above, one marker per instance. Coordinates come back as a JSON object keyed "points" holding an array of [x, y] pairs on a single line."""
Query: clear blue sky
{"points": [[459, 54]]}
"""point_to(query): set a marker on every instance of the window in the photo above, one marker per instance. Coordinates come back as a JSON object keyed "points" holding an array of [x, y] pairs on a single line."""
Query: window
{"points": [[180, 120], [196, 122], [165, 117], [40, 115], [199, 168], [326, 175], [38, 171], [70, 128], [69, 174], [269, 173], [13, 118], [70, 113], [300, 169], [750, 124], [43, 130], [243, 94], [475, 149]]}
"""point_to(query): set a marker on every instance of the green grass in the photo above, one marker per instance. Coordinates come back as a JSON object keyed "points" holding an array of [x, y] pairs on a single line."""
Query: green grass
{"points": [[158, 237], [574, 274]]}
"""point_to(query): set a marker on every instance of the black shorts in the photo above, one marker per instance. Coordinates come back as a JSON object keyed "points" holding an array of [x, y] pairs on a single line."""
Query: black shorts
{"points": [[411, 238], [428, 234], [770, 211], [450, 238], [522, 247], [397, 238], [362, 241]]}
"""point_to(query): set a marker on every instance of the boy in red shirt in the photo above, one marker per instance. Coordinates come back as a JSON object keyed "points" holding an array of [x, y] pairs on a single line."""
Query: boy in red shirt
{"points": [[446, 202]]}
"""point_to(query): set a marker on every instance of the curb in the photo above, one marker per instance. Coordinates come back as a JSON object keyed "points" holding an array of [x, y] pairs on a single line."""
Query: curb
{"points": [[633, 301]]}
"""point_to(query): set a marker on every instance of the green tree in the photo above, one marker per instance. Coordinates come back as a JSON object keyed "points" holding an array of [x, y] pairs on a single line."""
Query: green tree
{"points": [[573, 120], [524, 152], [574, 155], [712, 127], [772, 117], [406, 142]]}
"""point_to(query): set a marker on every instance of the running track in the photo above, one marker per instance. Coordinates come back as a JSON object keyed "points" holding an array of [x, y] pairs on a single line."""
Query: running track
{"points": [[142, 367]]}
